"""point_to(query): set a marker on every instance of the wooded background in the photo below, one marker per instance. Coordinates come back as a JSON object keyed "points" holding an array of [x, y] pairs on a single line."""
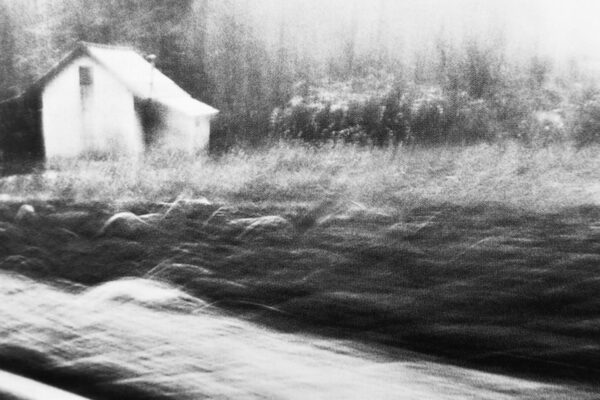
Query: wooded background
{"points": [[375, 72]]}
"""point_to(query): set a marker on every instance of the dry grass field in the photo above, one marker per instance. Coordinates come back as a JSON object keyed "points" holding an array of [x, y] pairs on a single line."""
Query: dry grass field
{"points": [[485, 255], [286, 175]]}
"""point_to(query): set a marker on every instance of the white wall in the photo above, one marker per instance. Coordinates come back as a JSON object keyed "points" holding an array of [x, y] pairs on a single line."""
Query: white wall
{"points": [[107, 123], [184, 132]]}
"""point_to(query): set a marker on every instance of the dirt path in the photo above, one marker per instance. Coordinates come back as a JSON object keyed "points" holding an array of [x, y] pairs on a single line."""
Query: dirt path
{"points": [[161, 344]]}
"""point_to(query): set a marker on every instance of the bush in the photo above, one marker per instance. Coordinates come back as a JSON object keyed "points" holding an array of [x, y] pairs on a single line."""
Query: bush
{"points": [[396, 116], [587, 124], [475, 121], [433, 114], [543, 128], [428, 116]]}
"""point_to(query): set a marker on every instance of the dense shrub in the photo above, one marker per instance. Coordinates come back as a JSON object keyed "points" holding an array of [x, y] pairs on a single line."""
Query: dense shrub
{"points": [[587, 124], [429, 116], [396, 117], [543, 128], [475, 121], [421, 114]]}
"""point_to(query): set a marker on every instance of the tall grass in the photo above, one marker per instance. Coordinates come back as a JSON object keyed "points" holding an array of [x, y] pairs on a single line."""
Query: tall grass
{"points": [[511, 173]]}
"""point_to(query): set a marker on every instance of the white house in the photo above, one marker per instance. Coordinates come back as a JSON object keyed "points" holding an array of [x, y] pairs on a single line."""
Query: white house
{"points": [[108, 99]]}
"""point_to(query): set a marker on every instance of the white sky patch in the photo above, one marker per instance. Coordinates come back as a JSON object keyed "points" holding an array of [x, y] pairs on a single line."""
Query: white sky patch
{"points": [[559, 29]]}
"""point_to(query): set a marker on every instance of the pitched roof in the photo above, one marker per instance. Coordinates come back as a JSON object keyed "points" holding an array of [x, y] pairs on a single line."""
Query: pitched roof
{"points": [[134, 72]]}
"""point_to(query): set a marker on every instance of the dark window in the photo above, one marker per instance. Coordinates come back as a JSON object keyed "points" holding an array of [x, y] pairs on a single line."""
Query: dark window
{"points": [[85, 76]]}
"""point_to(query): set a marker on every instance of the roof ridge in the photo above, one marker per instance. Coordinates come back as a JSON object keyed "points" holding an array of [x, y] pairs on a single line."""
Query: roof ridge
{"points": [[108, 46]]}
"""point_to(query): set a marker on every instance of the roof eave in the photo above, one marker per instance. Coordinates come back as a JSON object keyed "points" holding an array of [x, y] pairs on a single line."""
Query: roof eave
{"points": [[79, 51]]}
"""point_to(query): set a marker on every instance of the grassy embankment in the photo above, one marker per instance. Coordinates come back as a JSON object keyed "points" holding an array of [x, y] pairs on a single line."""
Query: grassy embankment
{"points": [[487, 254]]}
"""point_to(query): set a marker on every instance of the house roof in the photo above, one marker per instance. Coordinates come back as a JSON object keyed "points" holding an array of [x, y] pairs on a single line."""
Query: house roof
{"points": [[135, 73]]}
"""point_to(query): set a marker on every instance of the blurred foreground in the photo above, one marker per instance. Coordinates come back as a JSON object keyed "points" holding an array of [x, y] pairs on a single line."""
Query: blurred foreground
{"points": [[484, 284], [487, 255], [139, 338]]}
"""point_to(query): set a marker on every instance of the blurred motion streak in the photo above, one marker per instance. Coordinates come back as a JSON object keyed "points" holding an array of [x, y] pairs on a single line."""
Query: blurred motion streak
{"points": [[19, 388], [129, 343]]}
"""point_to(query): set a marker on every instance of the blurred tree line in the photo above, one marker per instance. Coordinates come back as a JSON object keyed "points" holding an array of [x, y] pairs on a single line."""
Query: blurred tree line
{"points": [[284, 70]]}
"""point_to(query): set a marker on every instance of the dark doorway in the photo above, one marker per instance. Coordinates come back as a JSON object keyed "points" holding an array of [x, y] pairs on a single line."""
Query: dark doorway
{"points": [[149, 113]]}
